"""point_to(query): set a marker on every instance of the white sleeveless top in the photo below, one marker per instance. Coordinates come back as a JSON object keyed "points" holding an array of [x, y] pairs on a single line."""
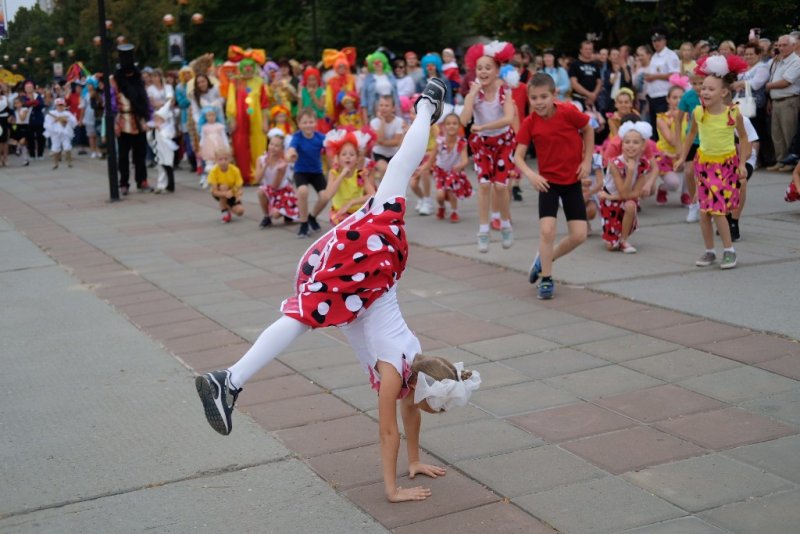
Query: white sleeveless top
{"points": [[486, 111], [447, 159]]}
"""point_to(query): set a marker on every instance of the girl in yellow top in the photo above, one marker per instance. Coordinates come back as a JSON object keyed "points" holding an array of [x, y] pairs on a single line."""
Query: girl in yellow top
{"points": [[226, 183], [670, 135], [718, 166], [349, 184]]}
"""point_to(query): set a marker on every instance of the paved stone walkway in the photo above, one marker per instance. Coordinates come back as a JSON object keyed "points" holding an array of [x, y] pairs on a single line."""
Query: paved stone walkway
{"points": [[597, 413]]}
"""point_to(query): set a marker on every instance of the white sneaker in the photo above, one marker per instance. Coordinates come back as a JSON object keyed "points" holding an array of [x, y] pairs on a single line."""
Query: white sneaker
{"points": [[627, 248], [694, 213], [427, 207], [508, 237], [418, 207], [483, 242]]}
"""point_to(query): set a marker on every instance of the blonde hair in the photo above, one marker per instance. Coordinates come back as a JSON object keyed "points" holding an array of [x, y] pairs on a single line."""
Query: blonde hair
{"points": [[437, 368], [222, 151]]}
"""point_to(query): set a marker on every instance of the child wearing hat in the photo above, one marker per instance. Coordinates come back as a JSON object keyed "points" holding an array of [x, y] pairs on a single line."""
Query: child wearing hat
{"points": [[59, 127]]}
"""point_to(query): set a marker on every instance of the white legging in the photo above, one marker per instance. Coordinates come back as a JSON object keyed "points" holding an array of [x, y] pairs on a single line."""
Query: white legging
{"points": [[280, 334]]}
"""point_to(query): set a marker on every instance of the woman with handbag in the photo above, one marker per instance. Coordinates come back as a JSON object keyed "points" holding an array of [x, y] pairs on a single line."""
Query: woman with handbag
{"points": [[756, 77]]}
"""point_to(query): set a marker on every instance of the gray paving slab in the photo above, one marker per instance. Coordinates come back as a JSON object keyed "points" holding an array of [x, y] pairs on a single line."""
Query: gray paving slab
{"points": [[602, 381], [106, 432], [779, 513], [680, 364], [530, 470], [476, 439], [599, 506], [554, 362], [19, 252], [740, 384], [509, 346], [783, 406], [520, 398], [682, 525], [706, 482], [284, 497], [761, 307], [781, 456], [620, 349]]}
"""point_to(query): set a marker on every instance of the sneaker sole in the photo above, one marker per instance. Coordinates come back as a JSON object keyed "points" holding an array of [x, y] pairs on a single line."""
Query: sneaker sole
{"points": [[544, 297], [703, 263], [727, 265], [213, 410]]}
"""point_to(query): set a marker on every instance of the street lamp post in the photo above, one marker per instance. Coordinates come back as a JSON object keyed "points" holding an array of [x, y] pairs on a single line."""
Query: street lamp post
{"points": [[111, 142], [184, 21]]}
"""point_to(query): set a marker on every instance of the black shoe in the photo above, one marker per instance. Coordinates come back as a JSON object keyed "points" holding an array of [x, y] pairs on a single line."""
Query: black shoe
{"points": [[266, 221], [303, 232], [313, 224], [218, 397], [287, 220], [735, 232], [123, 190], [516, 192], [434, 93], [791, 160]]}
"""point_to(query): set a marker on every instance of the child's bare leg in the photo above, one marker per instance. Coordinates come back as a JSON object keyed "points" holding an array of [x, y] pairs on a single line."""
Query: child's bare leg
{"points": [[415, 185], [627, 219], [453, 200], [267, 347], [408, 157], [302, 203], [502, 198], [425, 177], [322, 201], [576, 236], [223, 203], [238, 209], [724, 230], [689, 181], [591, 210], [484, 201], [547, 238], [263, 202], [707, 230], [440, 197]]}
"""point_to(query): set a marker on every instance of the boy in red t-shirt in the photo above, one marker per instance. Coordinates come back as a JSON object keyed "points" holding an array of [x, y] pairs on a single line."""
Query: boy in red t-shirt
{"points": [[564, 144]]}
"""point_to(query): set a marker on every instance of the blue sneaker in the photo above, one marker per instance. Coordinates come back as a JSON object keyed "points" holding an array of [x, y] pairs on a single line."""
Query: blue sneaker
{"points": [[536, 270], [546, 289]]}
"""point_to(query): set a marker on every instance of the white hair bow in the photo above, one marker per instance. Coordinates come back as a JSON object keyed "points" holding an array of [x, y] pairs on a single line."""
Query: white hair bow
{"points": [[643, 128], [446, 394]]}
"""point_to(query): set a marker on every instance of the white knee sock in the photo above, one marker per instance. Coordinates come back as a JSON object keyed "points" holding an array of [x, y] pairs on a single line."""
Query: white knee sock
{"points": [[267, 347], [409, 156]]}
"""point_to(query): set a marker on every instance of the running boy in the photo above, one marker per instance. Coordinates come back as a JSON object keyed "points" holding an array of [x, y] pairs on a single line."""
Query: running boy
{"points": [[564, 142]]}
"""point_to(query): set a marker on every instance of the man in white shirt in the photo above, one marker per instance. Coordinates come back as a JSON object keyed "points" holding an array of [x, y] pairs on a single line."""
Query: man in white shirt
{"points": [[663, 64], [784, 93]]}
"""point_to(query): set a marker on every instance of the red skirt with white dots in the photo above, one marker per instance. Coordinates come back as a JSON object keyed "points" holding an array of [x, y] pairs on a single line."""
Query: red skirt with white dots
{"points": [[350, 266]]}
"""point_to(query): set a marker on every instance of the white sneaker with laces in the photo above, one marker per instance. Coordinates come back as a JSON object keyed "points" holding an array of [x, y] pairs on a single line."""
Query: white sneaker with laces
{"points": [[427, 207], [694, 213]]}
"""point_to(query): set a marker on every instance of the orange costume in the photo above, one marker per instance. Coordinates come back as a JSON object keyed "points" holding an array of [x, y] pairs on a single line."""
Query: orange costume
{"points": [[341, 61], [247, 102]]}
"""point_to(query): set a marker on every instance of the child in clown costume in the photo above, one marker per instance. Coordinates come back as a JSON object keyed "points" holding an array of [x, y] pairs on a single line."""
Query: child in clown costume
{"points": [[348, 279], [350, 117], [58, 127], [341, 61], [246, 107], [281, 118]]}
